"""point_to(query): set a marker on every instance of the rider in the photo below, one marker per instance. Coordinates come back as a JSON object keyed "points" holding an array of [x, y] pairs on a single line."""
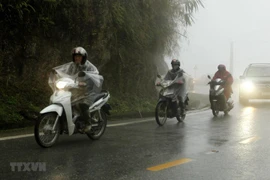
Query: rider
{"points": [[226, 76], [88, 78], [176, 71]]}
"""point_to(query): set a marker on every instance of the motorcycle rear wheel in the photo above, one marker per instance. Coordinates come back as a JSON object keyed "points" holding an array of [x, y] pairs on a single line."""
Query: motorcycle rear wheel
{"points": [[44, 135], [161, 113], [98, 125]]}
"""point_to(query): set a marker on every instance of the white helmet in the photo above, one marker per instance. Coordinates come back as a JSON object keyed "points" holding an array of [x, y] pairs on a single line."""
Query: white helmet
{"points": [[79, 51]]}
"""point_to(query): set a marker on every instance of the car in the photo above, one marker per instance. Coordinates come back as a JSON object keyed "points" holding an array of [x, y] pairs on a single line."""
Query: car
{"points": [[255, 83]]}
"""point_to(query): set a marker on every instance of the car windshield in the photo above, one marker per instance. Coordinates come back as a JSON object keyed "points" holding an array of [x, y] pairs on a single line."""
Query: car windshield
{"points": [[258, 71]]}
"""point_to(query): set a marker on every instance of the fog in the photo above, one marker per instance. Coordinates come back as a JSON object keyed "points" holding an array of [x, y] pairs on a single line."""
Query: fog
{"points": [[244, 22]]}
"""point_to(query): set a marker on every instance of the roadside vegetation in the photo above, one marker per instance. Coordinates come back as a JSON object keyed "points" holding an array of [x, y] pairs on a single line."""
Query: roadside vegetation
{"points": [[126, 40]]}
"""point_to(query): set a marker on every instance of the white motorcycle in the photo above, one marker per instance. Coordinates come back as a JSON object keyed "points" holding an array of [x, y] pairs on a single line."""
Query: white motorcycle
{"points": [[164, 107], [61, 116]]}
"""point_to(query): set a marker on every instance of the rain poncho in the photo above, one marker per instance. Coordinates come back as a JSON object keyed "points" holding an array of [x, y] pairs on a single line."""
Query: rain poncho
{"points": [[226, 76], [75, 68], [84, 94], [180, 90]]}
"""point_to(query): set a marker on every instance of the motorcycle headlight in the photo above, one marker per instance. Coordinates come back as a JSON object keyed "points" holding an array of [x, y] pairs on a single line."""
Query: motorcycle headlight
{"points": [[247, 86], [166, 83], [61, 84]]}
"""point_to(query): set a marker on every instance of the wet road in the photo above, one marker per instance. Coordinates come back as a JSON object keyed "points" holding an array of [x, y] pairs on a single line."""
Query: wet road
{"points": [[231, 147]]}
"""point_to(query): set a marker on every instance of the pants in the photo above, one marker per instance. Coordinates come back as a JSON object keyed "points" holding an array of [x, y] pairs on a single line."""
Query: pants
{"points": [[84, 111], [227, 93], [181, 104]]}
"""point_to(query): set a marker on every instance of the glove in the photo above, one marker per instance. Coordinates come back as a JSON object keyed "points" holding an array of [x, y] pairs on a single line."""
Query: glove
{"points": [[82, 84], [179, 82]]}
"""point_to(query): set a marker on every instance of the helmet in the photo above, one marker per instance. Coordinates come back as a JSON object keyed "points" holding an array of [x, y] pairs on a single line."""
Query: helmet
{"points": [[175, 62], [221, 67], [79, 51]]}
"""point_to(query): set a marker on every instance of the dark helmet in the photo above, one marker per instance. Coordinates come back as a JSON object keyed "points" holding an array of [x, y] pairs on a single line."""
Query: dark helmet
{"points": [[79, 51], [221, 67], [175, 62]]}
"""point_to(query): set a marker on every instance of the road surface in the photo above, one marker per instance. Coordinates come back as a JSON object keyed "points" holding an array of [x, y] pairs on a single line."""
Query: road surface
{"points": [[230, 147]]}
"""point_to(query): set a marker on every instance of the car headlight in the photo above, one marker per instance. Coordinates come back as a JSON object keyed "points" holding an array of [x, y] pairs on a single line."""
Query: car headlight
{"points": [[247, 86], [61, 84]]}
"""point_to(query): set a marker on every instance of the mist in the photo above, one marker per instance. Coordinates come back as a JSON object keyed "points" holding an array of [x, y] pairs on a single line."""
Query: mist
{"points": [[243, 23]]}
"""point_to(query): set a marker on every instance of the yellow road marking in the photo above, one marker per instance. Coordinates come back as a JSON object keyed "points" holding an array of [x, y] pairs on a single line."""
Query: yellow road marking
{"points": [[250, 140], [169, 164]]}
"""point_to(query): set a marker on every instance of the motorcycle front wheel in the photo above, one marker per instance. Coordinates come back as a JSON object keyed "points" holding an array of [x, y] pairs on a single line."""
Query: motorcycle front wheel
{"points": [[215, 112], [181, 118], [44, 134], [161, 113], [98, 125]]}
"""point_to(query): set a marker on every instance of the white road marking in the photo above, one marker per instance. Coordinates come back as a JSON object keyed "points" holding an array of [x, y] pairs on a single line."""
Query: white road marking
{"points": [[127, 123], [110, 125], [16, 137]]}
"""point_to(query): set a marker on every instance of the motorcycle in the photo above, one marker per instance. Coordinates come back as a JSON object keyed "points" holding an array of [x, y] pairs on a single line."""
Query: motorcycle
{"points": [[164, 107], [62, 116], [217, 97]]}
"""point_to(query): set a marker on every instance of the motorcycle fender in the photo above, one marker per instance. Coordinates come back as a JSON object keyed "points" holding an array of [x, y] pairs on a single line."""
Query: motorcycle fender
{"points": [[162, 99], [53, 108]]}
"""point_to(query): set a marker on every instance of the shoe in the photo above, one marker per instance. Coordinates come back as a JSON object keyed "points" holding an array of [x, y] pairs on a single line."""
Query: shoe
{"points": [[183, 113], [229, 107], [95, 120], [178, 113], [88, 128]]}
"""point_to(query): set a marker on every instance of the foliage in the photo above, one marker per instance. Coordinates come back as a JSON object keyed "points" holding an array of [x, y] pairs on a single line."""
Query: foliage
{"points": [[126, 40]]}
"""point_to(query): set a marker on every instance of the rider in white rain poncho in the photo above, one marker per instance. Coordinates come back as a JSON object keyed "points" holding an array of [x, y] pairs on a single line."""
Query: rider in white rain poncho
{"points": [[180, 90], [86, 74]]}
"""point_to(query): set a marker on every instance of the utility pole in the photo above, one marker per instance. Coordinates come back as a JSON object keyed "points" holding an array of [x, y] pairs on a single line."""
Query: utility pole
{"points": [[195, 71], [231, 58]]}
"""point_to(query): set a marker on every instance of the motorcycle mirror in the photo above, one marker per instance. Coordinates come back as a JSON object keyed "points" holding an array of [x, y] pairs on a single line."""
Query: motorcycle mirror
{"points": [[209, 77]]}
